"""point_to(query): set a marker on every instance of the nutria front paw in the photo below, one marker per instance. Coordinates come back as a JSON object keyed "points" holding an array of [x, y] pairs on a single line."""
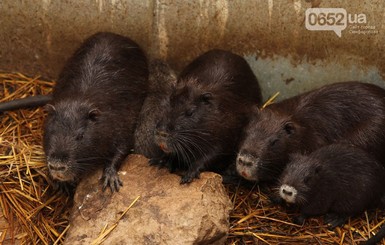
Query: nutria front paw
{"points": [[299, 220], [276, 200], [189, 177], [157, 162], [64, 188], [111, 179], [334, 220]]}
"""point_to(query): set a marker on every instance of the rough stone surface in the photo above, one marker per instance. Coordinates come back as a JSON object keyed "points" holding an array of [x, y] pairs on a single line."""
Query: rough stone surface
{"points": [[166, 212]]}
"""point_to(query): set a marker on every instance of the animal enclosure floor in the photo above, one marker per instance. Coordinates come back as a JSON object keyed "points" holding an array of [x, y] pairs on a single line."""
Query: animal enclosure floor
{"points": [[39, 217]]}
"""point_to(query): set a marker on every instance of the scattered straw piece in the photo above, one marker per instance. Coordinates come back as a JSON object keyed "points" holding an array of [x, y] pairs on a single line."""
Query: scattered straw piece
{"points": [[105, 232], [60, 237], [260, 238], [270, 100], [35, 216], [257, 221], [30, 211]]}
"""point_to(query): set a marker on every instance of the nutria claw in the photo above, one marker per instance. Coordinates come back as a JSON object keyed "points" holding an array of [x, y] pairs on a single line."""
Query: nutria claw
{"points": [[163, 162], [276, 200], [299, 220], [111, 179], [189, 177], [160, 162], [64, 188], [334, 220]]}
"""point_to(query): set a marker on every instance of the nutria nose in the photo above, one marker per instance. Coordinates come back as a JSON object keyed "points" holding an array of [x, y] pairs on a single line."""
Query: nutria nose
{"points": [[57, 167], [244, 161], [161, 133], [289, 193], [244, 174], [58, 156]]}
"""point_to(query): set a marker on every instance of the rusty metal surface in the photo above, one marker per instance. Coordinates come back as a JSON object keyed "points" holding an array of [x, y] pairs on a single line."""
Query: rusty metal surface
{"points": [[37, 36]]}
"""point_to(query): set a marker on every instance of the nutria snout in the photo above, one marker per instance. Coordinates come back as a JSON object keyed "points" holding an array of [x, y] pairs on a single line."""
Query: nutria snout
{"points": [[288, 193], [247, 165]]}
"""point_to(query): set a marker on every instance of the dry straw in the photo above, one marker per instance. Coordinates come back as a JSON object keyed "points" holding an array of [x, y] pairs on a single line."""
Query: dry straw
{"points": [[255, 220], [32, 214]]}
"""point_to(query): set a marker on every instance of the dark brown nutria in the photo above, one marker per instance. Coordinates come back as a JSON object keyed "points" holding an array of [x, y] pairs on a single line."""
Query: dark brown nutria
{"points": [[162, 80], [350, 112], [337, 180], [208, 110], [96, 103]]}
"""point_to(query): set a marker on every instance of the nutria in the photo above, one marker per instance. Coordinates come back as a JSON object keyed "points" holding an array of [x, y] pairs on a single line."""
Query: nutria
{"points": [[337, 180], [208, 109], [93, 113], [351, 112], [162, 79]]}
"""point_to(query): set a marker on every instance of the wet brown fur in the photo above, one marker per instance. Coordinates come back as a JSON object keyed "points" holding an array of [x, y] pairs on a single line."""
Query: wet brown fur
{"points": [[350, 112], [95, 105], [208, 110], [339, 180], [162, 80]]}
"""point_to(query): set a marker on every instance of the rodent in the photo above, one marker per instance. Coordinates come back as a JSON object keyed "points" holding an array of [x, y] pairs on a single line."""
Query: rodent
{"points": [[93, 113], [162, 80], [207, 111], [351, 112], [337, 180]]}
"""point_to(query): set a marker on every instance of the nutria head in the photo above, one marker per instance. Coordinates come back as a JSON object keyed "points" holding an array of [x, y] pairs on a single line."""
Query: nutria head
{"points": [[299, 178], [189, 127], [266, 145], [69, 134]]}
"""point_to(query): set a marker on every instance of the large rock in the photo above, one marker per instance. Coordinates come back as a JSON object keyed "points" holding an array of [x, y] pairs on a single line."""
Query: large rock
{"points": [[165, 213]]}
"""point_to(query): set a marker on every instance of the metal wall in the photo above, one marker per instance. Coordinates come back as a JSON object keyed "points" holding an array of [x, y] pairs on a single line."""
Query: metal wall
{"points": [[37, 36]]}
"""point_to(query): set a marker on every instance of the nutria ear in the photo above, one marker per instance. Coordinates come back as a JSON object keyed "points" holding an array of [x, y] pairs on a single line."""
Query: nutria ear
{"points": [[255, 110], [93, 114], [206, 97], [289, 128], [317, 169], [49, 108]]}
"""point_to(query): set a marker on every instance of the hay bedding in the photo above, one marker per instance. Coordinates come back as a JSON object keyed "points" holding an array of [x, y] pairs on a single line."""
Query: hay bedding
{"points": [[32, 214]]}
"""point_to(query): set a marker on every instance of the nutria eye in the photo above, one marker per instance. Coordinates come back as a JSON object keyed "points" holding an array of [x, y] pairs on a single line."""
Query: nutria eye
{"points": [[289, 128], [306, 179], [317, 169], [93, 114], [273, 142], [50, 109], [189, 112], [206, 98], [80, 136]]}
